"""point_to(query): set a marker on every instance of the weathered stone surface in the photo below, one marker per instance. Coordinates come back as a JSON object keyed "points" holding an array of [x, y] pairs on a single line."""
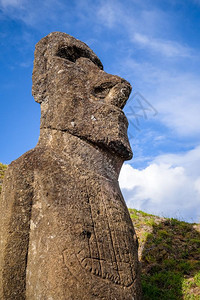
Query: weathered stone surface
{"points": [[65, 229]]}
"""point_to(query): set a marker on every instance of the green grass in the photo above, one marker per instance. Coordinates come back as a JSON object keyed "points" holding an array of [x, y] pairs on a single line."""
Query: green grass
{"points": [[134, 211], [162, 285]]}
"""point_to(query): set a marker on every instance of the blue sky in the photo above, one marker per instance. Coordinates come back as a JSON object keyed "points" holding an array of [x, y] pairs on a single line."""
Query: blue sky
{"points": [[153, 44]]}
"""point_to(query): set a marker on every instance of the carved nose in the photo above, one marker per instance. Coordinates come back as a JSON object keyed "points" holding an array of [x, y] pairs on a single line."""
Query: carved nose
{"points": [[112, 90], [118, 94]]}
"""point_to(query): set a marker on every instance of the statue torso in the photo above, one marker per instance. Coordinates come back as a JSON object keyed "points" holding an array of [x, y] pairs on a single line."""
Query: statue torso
{"points": [[79, 220]]}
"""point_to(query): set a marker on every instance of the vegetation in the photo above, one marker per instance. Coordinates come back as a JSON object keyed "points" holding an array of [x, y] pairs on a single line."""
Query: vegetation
{"points": [[2, 171], [169, 252]]}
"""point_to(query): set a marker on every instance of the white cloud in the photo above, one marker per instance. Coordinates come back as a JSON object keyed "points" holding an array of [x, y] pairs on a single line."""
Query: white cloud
{"points": [[9, 3], [167, 187], [107, 13], [197, 185], [178, 103], [35, 13], [189, 160], [132, 17], [174, 93], [164, 47], [141, 27]]}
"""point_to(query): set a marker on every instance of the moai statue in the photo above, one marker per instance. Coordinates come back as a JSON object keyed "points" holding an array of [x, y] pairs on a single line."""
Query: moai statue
{"points": [[66, 233]]}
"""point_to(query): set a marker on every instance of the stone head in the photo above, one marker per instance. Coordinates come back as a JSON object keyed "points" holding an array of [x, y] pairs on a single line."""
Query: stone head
{"points": [[77, 96]]}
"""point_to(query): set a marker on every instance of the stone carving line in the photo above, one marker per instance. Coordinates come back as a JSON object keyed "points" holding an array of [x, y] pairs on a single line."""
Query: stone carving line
{"points": [[98, 265]]}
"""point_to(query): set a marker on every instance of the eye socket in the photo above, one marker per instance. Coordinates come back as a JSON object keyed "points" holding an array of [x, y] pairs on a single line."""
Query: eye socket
{"points": [[102, 90], [72, 53]]}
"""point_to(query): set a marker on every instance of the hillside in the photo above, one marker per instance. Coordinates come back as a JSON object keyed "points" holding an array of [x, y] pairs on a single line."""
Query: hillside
{"points": [[169, 252]]}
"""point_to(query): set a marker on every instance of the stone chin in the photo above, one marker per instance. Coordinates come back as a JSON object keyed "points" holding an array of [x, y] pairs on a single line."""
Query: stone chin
{"points": [[121, 146], [103, 125], [109, 133], [112, 135]]}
